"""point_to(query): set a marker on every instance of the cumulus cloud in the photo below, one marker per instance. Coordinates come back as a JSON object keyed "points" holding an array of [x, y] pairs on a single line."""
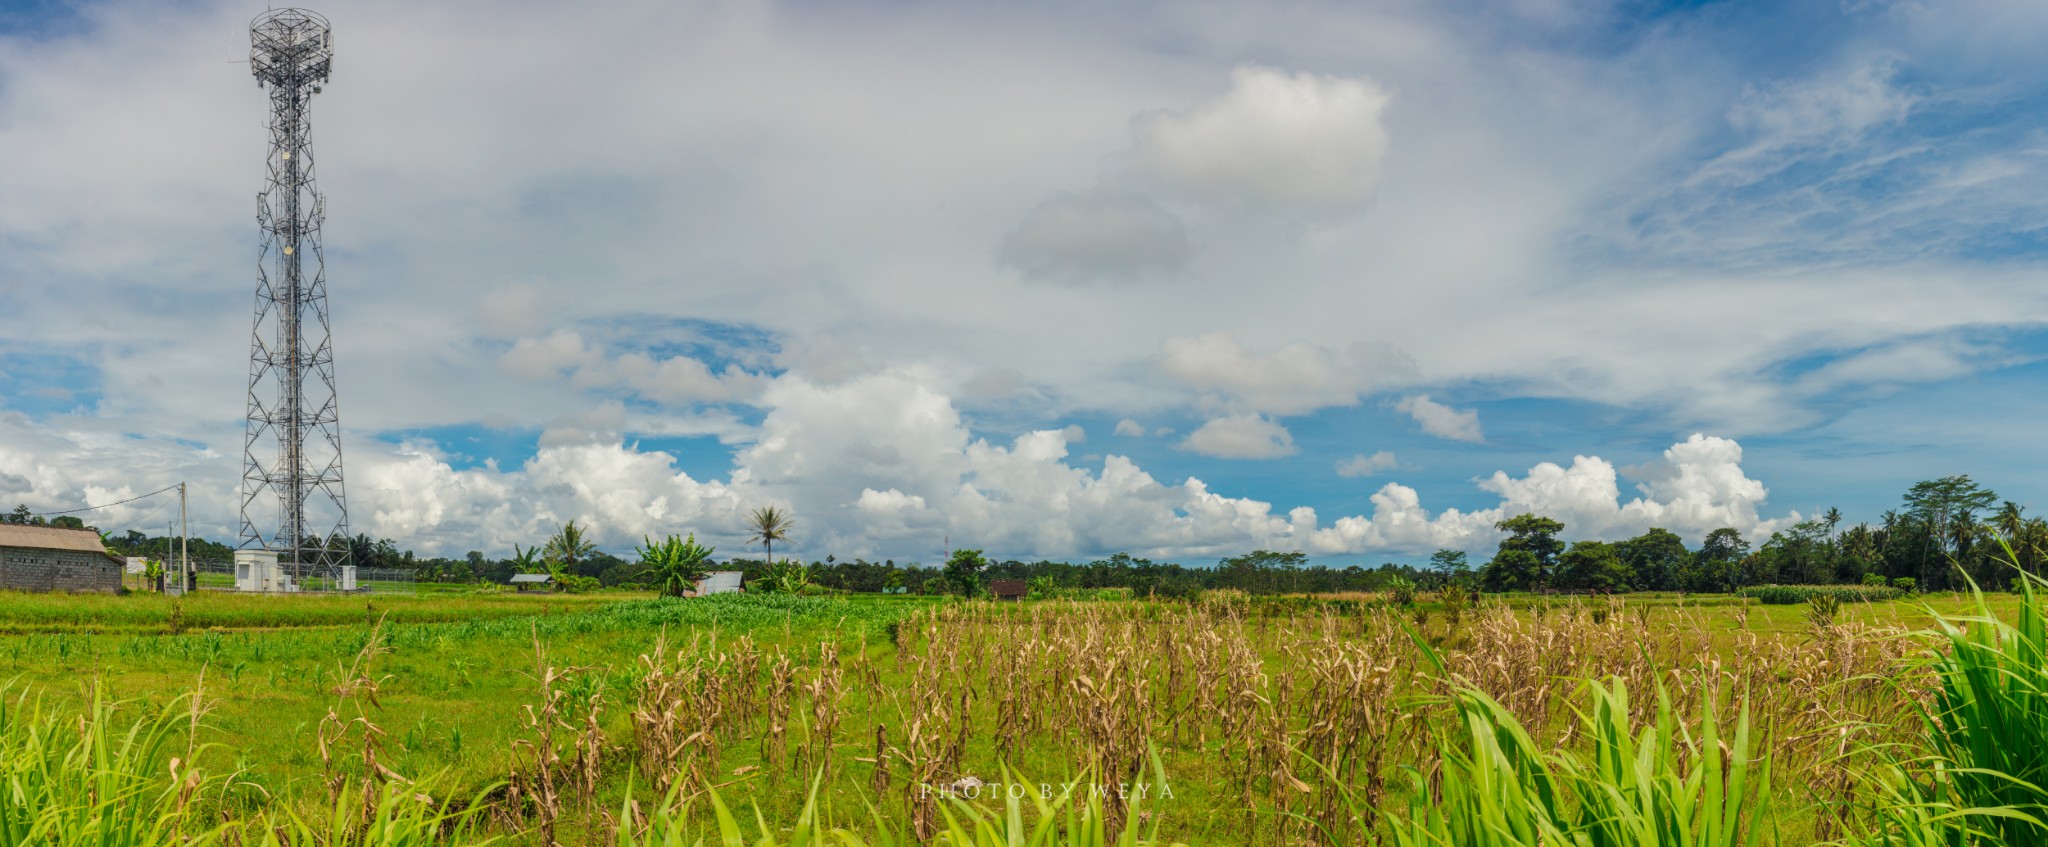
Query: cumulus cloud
{"points": [[620, 492], [883, 465], [1361, 465], [1292, 379], [1241, 437], [1096, 235], [1275, 139], [1022, 497], [1440, 420], [1130, 428], [1697, 486]]}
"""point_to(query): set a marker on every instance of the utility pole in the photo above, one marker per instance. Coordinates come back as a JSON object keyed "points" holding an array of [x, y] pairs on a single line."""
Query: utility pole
{"points": [[185, 542]]}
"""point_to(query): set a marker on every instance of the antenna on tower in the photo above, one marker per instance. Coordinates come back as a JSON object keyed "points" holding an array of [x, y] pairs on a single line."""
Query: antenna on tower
{"points": [[293, 405]]}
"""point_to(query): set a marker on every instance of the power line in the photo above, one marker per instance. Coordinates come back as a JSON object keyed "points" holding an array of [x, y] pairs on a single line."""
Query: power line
{"points": [[105, 505], [152, 513]]}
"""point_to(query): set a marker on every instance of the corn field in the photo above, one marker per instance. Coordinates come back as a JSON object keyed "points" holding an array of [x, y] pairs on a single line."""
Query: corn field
{"points": [[1220, 721]]}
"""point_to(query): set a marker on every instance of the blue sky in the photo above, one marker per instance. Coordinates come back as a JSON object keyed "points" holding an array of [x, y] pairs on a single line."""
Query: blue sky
{"points": [[1052, 281]]}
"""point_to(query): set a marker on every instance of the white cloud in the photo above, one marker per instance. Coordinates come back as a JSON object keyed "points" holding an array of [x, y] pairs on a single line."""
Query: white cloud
{"points": [[1275, 139], [1096, 235], [674, 381], [844, 204], [1130, 428], [1440, 420], [1698, 486], [1293, 379], [1835, 107], [1914, 360], [884, 466], [535, 359], [1361, 465], [1241, 437]]}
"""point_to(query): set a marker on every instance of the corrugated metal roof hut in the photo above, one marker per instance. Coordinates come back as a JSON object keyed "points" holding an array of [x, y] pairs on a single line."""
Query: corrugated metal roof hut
{"points": [[721, 582], [526, 581], [49, 558]]}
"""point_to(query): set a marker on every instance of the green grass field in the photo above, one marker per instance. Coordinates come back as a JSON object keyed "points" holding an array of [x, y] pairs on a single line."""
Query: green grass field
{"points": [[138, 613], [453, 693]]}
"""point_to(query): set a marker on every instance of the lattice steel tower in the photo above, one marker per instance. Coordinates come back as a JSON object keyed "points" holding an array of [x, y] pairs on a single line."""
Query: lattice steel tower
{"points": [[292, 400]]}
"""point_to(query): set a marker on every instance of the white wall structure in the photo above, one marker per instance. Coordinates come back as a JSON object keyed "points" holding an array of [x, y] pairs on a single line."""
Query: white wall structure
{"points": [[719, 582], [256, 570], [348, 577], [137, 564]]}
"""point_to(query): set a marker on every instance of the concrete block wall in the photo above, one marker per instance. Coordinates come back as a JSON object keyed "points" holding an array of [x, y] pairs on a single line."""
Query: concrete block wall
{"points": [[33, 569]]}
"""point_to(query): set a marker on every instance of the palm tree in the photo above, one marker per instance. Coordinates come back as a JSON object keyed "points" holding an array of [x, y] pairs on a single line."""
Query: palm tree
{"points": [[569, 546], [769, 525], [675, 563], [2010, 518]]}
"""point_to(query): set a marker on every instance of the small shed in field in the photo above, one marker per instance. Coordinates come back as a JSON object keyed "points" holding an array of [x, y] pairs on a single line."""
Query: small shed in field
{"points": [[533, 581], [721, 582], [1009, 590], [49, 558]]}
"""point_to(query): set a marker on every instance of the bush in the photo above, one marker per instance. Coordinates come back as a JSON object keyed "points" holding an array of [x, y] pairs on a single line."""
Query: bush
{"points": [[1793, 595], [1989, 725], [1177, 587], [576, 584], [1821, 609], [1402, 592], [1905, 585], [1874, 580], [1455, 599], [1641, 782]]}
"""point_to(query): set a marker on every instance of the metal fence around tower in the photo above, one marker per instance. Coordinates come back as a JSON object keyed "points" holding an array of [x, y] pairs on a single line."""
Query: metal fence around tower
{"points": [[220, 576]]}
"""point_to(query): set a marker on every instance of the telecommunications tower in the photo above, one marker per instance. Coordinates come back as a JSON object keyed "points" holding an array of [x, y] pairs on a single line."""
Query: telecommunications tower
{"points": [[292, 446]]}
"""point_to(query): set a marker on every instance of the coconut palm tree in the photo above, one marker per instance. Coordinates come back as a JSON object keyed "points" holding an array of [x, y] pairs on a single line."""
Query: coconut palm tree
{"points": [[568, 547], [770, 524]]}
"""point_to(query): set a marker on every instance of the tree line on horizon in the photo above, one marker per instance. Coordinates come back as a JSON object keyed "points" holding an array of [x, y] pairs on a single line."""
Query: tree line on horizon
{"points": [[1945, 534]]}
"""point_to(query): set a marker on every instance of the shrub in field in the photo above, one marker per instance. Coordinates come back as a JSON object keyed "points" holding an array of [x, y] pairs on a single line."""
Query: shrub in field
{"points": [[1666, 785], [1177, 587], [1793, 595], [675, 563], [1821, 609], [1401, 591], [96, 778], [1072, 816], [1988, 782], [1906, 584], [1874, 580], [390, 815], [785, 577], [1455, 600]]}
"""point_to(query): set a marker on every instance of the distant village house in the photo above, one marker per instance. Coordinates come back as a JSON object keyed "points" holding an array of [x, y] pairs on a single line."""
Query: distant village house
{"points": [[1009, 590], [48, 558]]}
